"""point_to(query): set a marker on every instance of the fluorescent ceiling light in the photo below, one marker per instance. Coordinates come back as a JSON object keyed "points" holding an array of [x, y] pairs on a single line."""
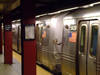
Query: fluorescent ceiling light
{"points": [[18, 19], [96, 3], [68, 9], [41, 15], [54, 13], [14, 21]]}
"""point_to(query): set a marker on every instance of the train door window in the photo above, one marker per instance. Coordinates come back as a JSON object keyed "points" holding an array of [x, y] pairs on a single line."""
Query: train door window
{"points": [[41, 34], [83, 38], [93, 43], [13, 32], [19, 32], [37, 32]]}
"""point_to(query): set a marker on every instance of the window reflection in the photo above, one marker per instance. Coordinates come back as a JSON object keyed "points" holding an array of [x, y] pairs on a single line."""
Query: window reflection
{"points": [[37, 32], [41, 34], [94, 34], [83, 38]]}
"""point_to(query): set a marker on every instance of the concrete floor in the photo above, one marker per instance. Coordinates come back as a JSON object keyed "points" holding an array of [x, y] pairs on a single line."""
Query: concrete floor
{"points": [[9, 69], [15, 68]]}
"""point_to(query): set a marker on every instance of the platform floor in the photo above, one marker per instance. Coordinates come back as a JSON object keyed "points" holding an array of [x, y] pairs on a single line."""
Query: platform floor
{"points": [[40, 71], [9, 69], [15, 68]]}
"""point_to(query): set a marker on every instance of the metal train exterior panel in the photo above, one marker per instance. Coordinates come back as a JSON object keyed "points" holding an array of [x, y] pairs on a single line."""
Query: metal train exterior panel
{"points": [[16, 36], [81, 57], [67, 42]]}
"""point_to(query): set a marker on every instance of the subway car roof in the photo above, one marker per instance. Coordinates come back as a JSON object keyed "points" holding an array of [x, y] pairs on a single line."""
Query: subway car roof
{"points": [[49, 17], [85, 12]]}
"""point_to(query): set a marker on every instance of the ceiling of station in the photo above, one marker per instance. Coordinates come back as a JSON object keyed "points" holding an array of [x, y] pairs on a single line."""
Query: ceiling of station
{"points": [[4, 4], [45, 6]]}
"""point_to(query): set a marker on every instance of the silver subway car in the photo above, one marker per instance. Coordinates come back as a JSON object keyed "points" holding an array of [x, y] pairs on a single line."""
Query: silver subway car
{"points": [[49, 29], [16, 35], [81, 40], [67, 42]]}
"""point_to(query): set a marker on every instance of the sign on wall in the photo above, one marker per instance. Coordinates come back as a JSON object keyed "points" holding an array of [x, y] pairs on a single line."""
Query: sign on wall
{"points": [[8, 27], [43, 34], [72, 37], [29, 32], [73, 28]]}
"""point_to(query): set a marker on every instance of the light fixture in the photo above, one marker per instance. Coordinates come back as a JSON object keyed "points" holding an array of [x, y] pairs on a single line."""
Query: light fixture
{"points": [[68, 9], [54, 13], [13, 21], [18, 19], [41, 15]]}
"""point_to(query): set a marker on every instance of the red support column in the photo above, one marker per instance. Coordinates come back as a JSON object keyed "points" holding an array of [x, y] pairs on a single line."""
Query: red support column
{"points": [[28, 46], [7, 39], [0, 37]]}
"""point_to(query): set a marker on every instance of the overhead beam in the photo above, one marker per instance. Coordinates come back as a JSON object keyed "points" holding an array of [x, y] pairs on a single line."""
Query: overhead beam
{"points": [[13, 6], [1, 17], [5, 2]]}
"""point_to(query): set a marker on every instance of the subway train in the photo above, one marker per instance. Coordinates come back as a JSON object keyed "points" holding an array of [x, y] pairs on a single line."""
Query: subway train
{"points": [[16, 35], [67, 42]]}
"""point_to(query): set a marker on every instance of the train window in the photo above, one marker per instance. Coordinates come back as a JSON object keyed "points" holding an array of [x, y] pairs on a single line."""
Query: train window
{"points": [[37, 33], [93, 44], [19, 33], [41, 34], [13, 32], [83, 39]]}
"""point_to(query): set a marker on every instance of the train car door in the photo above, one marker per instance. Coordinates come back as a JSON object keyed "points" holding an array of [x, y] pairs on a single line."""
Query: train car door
{"points": [[38, 42], [45, 43], [37, 34], [87, 47], [19, 39]]}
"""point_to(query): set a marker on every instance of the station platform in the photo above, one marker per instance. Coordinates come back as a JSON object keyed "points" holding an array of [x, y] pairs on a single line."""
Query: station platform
{"points": [[9, 69], [15, 68]]}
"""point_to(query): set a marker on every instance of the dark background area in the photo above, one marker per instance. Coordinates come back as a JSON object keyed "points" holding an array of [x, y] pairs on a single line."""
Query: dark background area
{"points": [[47, 6]]}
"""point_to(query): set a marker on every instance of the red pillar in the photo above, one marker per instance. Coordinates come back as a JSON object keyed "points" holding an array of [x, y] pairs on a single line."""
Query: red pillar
{"points": [[0, 37], [7, 39], [28, 46]]}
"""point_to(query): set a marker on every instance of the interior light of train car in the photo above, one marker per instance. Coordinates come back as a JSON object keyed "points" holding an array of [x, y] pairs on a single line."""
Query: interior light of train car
{"points": [[68, 22], [53, 22], [40, 25], [17, 24], [38, 22], [2, 24], [13, 26], [48, 22], [68, 18]]}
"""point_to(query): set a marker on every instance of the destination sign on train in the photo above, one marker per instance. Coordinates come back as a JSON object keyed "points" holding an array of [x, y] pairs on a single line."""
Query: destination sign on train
{"points": [[73, 27]]}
